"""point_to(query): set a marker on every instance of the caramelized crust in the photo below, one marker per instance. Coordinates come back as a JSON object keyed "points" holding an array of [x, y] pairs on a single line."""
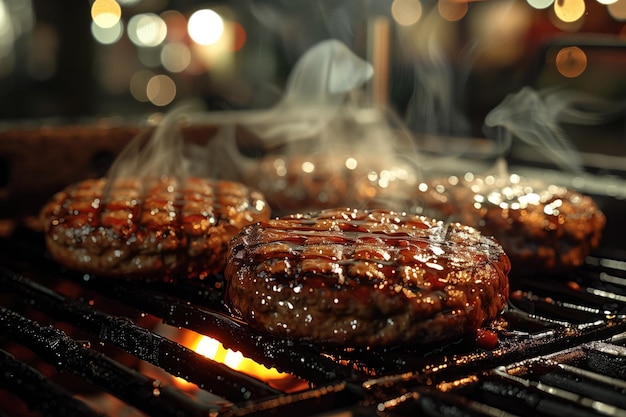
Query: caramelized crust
{"points": [[317, 181], [138, 228], [541, 227], [365, 278]]}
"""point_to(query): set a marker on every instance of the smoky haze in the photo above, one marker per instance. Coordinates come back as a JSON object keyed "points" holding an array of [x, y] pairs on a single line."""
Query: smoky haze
{"points": [[536, 118], [346, 151]]}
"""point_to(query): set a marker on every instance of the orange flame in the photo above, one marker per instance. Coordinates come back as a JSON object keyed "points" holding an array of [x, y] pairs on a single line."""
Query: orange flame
{"points": [[213, 349]]}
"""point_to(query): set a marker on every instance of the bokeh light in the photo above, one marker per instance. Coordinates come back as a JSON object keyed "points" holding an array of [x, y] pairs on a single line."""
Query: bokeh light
{"points": [[406, 12], [452, 10], [176, 25], [504, 26], [175, 56], [617, 10], [540, 4], [161, 90], [205, 26], [139, 85], [109, 35], [147, 29], [106, 13], [7, 35], [240, 36], [570, 10], [605, 2], [571, 61]]}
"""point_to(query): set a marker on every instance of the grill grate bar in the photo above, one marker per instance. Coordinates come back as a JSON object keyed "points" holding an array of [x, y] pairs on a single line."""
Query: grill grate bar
{"points": [[429, 401], [41, 394], [512, 395], [561, 393], [310, 402], [140, 342], [56, 348], [574, 293], [584, 387], [607, 380], [302, 360], [567, 382]]}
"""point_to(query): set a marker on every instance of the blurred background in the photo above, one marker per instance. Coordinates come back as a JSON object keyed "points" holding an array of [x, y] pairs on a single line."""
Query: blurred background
{"points": [[445, 64]]}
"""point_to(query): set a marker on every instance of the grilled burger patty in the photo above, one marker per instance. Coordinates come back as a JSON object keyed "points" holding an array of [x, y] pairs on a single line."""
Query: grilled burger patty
{"points": [[541, 227], [365, 278], [134, 227], [297, 183]]}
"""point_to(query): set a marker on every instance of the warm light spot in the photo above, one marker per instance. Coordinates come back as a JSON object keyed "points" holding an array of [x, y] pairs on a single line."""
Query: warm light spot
{"points": [[240, 36], [109, 35], [175, 56], [233, 359], [406, 12], [606, 2], [205, 27], [213, 349], [351, 163], [147, 29], [176, 25], [106, 13], [571, 27], [308, 167], [540, 4], [7, 39], [569, 10], [161, 90], [617, 10], [207, 346], [571, 61], [506, 25], [452, 10]]}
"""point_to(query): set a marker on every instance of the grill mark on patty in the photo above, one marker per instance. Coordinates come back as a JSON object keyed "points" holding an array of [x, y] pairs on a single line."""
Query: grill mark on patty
{"points": [[158, 225], [356, 270]]}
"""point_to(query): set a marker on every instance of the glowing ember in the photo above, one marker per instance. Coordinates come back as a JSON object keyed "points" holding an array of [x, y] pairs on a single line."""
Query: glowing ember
{"points": [[213, 349]]}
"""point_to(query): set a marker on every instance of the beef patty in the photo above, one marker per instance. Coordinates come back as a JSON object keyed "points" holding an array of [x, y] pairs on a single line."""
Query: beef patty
{"points": [[365, 278], [542, 227], [136, 227]]}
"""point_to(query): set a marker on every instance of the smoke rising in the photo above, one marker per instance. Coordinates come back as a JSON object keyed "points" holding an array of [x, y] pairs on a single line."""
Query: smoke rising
{"points": [[536, 118], [345, 151]]}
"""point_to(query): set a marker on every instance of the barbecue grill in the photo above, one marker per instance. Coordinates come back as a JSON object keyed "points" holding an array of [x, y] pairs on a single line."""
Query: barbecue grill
{"points": [[75, 344], [80, 344]]}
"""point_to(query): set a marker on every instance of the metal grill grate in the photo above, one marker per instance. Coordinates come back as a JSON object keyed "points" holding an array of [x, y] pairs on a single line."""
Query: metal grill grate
{"points": [[65, 336]]}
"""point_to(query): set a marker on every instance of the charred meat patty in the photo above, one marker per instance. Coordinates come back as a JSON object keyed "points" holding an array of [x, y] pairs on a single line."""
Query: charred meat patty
{"points": [[137, 227], [542, 227], [365, 278], [301, 183]]}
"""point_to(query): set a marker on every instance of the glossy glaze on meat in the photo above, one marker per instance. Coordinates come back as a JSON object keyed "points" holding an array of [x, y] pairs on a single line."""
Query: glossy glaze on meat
{"points": [[542, 227], [365, 278], [323, 180], [136, 227]]}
